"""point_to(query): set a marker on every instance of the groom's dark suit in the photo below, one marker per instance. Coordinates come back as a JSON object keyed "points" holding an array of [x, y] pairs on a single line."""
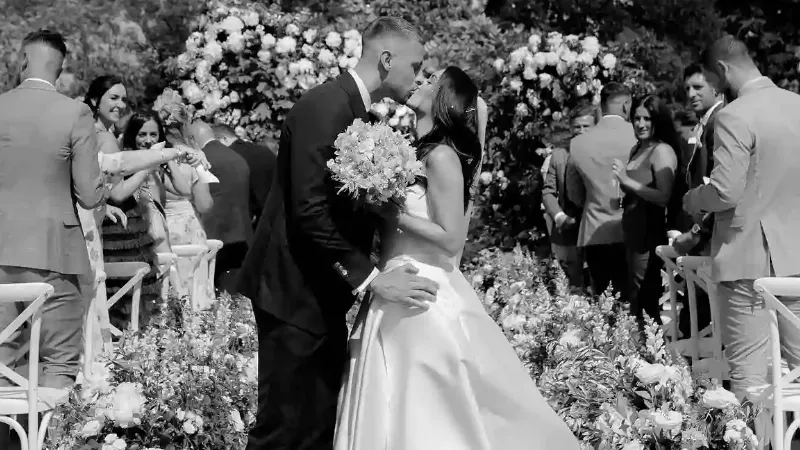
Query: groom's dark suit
{"points": [[310, 252]]}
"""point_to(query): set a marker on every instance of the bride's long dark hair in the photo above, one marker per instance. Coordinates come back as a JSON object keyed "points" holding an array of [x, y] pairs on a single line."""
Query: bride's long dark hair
{"points": [[455, 124]]}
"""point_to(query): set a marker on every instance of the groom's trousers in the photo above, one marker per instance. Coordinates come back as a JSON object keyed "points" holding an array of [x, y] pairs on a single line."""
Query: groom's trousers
{"points": [[62, 326], [299, 377]]}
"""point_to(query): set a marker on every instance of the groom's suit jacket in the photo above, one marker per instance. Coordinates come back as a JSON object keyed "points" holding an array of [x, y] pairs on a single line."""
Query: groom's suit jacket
{"points": [[48, 161], [754, 188], [311, 248]]}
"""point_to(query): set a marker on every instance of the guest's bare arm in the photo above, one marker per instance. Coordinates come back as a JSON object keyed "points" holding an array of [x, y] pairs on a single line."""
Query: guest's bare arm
{"points": [[665, 163], [201, 197]]}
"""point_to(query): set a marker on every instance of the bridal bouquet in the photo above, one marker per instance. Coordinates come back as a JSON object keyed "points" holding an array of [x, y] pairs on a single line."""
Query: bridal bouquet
{"points": [[398, 116], [374, 162]]}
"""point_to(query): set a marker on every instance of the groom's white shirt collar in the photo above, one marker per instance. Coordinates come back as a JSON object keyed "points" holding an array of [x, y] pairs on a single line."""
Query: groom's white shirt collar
{"points": [[39, 80], [362, 89]]}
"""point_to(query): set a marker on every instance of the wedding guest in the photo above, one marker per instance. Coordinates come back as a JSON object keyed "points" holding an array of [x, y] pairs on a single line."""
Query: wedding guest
{"points": [[261, 162], [564, 229], [706, 102], [647, 181], [48, 162], [591, 186], [229, 219], [754, 194]]}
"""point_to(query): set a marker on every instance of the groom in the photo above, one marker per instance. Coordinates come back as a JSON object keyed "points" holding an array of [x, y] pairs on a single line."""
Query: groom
{"points": [[310, 255]]}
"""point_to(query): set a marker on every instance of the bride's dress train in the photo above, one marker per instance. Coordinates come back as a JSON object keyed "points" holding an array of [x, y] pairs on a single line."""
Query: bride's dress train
{"points": [[441, 379]]}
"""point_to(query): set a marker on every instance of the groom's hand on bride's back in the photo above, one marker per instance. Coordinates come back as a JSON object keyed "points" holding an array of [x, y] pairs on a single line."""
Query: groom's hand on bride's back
{"points": [[403, 285]]}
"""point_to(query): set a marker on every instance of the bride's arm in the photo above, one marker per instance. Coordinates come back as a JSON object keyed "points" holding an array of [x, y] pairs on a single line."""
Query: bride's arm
{"points": [[447, 228]]}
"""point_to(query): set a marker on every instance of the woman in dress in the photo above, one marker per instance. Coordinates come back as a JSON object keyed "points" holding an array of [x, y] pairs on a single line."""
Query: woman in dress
{"points": [[444, 377], [647, 181]]}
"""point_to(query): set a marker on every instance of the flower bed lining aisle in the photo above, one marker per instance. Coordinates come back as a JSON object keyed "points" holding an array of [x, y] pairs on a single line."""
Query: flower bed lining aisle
{"points": [[188, 381]]}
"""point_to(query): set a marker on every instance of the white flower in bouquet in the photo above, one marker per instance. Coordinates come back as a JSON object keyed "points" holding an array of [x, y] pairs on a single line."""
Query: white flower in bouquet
{"points": [[720, 398], [286, 44], [655, 373], [581, 89], [212, 102], [232, 24], [739, 436], [333, 39], [529, 73], [609, 61], [251, 18], [569, 58], [309, 35], [540, 59], [268, 41], [265, 56], [515, 84], [326, 57], [308, 50], [552, 58], [498, 64], [235, 42], [517, 58], [213, 51], [114, 442], [127, 405], [486, 177], [544, 80], [374, 161], [292, 30]]}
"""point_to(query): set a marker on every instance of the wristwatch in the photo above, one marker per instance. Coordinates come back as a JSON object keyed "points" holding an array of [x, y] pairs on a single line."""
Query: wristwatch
{"points": [[697, 229]]}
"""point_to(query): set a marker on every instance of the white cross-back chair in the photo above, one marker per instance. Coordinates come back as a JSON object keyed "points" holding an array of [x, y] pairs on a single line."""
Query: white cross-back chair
{"points": [[670, 256], [27, 397], [134, 272], [97, 328], [198, 268], [783, 394], [214, 246], [704, 347], [168, 272]]}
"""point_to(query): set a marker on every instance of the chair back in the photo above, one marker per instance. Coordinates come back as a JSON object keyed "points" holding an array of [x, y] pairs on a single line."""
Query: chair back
{"points": [[34, 294], [669, 256], [214, 246], [168, 273], [769, 289], [198, 268], [134, 272]]}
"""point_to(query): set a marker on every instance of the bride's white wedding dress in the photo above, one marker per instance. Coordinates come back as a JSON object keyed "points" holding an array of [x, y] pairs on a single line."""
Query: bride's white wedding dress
{"points": [[442, 379]]}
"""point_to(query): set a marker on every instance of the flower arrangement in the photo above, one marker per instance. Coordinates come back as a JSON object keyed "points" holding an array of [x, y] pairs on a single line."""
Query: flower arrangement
{"points": [[245, 66], [553, 73], [615, 387], [189, 380], [374, 161], [398, 116]]}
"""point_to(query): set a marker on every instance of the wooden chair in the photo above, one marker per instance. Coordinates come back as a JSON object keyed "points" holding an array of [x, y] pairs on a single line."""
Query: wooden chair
{"points": [[198, 267], [168, 273], [670, 256], [783, 394], [214, 246], [134, 272], [27, 397]]}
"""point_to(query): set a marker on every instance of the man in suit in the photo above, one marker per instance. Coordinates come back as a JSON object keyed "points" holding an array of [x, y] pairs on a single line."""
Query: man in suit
{"points": [[261, 162], [311, 255], [561, 214], [229, 218], [754, 194], [706, 102], [48, 158], [590, 185]]}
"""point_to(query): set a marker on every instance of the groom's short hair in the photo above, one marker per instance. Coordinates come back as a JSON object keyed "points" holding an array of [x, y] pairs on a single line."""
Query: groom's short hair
{"points": [[49, 38], [390, 26], [222, 130]]}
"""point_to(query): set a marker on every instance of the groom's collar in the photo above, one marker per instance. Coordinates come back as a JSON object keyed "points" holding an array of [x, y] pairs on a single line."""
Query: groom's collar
{"points": [[362, 89], [37, 83]]}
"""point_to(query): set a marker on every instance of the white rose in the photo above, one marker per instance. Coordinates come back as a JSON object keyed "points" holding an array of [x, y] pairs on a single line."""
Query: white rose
{"points": [[189, 428], [308, 50], [193, 41], [554, 40], [394, 121], [557, 116], [552, 58], [213, 51], [405, 121], [569, 58], [264, 56], [352, 47], [381, 109], [309, 35], [517, 58], [609, 61], [267, 41], [119, 444], [236, 418], [545, 79], [529, 73], [232, 24], [292, 30], [235, 42], [591, 45], [581, 89], [234, 96], [668, 420], [333, 39], [285, 45], [486, 178], [720, 398], [540, 59], [561, 68], [326, 57], [223, 85], [250, 18], [91, 428], [534, 41], [499, 64], [352, 34], [515, 85], [192, 92]]}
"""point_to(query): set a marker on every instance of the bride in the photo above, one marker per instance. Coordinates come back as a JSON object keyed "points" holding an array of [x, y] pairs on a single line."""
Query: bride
{"points": [[441, 377]]}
